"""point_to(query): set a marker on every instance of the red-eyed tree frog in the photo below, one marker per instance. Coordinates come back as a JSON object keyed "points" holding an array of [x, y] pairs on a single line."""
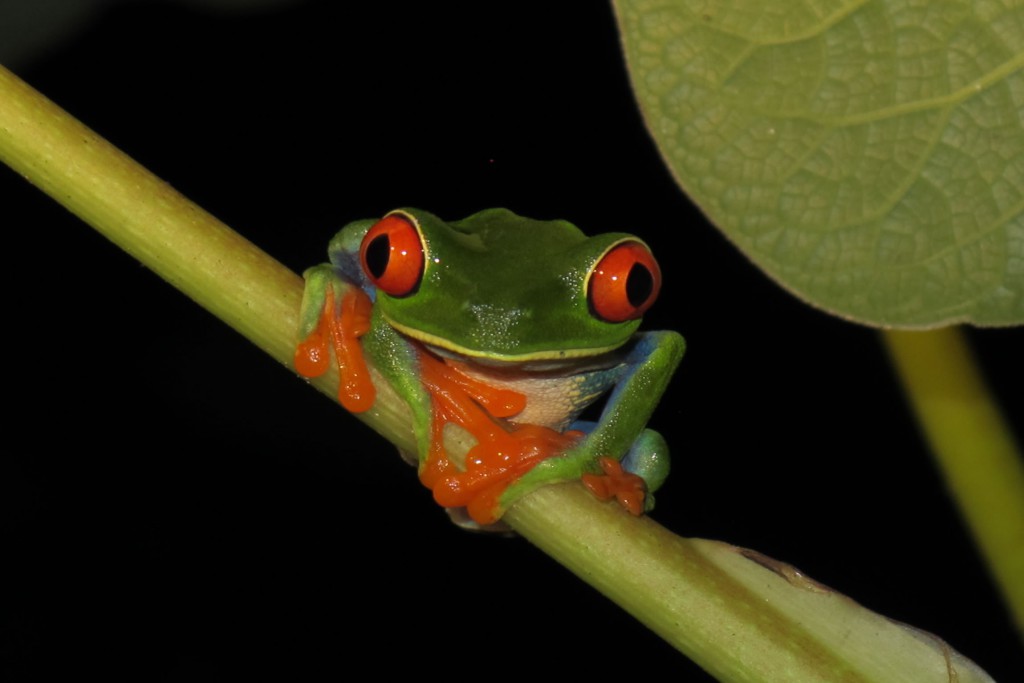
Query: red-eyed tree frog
{"points": [[508, 328]]}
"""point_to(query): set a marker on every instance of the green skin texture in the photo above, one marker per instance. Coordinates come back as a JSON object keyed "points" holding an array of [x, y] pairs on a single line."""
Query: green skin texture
{"points": [[502, 290]]}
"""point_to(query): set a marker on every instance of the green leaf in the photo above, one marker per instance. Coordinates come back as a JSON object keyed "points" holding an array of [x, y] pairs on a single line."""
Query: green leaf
{"points": [[866, 154]]}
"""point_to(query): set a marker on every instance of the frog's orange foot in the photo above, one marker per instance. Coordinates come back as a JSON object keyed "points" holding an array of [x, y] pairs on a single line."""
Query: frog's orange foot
{"points": [[493, 465], [342, 330], [477, 490], [628, 488], [478, 494]]}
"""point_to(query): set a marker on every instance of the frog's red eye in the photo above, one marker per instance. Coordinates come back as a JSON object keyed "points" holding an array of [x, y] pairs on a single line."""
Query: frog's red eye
{"points": [[392, 255], [624, 283]]}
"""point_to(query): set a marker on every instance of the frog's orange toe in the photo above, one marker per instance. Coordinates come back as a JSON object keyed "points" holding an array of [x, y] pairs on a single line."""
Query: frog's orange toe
{"points": [[312, 356], [477, 491], [627, 488], [458, 489]]}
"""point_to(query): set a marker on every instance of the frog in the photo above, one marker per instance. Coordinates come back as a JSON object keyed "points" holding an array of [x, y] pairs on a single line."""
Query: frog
{"points": [[508, 328]]}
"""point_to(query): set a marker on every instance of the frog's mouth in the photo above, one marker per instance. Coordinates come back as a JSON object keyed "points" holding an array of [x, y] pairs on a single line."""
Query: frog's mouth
{"points": [[567, 365], [539, 360]]}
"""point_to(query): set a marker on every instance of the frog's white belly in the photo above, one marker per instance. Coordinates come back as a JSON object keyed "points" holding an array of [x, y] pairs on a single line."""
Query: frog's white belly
{"points": [[553, 399]]}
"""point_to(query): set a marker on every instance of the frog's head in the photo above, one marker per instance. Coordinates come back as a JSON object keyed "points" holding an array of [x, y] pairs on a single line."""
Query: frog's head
{"points": [[500, 287]]}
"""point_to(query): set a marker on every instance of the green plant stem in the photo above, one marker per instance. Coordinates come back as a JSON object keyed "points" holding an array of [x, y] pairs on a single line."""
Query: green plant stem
{"points": [[743, 617], [973, 445]]}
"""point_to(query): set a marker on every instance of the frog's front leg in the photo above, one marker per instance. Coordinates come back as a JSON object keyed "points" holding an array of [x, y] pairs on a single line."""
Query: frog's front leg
{"points": [[620, 432]]}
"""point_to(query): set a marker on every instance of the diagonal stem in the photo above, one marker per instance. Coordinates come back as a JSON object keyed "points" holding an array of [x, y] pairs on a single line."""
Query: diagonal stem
{"points": [[973, 445]]}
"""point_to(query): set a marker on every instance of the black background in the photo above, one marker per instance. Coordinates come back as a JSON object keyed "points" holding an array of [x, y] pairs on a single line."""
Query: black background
{"points": [[177, 506]]}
